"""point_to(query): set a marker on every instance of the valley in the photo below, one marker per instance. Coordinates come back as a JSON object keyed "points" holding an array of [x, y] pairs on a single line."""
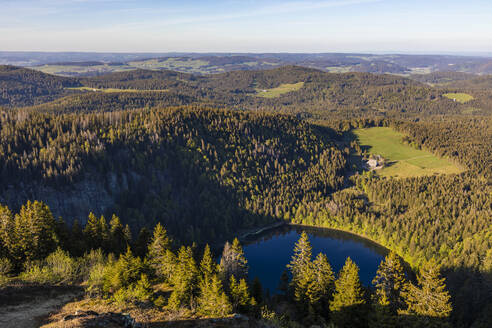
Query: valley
{"points": [[126, 177]]}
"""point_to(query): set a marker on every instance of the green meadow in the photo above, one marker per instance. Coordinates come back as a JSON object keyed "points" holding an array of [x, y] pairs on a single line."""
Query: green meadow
{"points": [[281, 89], [404, 160], [460, 97]]}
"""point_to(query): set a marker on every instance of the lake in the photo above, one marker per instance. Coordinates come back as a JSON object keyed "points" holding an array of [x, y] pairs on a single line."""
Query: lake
{"points": [[270, 252]]}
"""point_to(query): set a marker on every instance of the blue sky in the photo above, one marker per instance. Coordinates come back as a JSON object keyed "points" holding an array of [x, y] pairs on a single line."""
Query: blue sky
{"points": [[431, 26]]}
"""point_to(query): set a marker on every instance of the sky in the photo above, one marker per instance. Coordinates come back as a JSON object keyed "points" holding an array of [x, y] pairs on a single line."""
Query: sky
{"points": [[411, 26]]}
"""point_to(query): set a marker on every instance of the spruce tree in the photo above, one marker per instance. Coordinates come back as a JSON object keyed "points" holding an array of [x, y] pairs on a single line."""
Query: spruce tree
{"points": [[160, 256], [429, 299], [184, 279], [128, 234], [324, 283], [233, 262], [240, 296], [35, 232], [104, 235], [207, 265], [92, 233], [7, 232], [389, 282], [212, 300], [117, 235], [302, 271], [348, 297], [301, 258]]}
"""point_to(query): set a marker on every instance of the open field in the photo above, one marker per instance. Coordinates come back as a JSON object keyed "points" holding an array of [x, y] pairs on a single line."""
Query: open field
{"points": [[281, 89], [109, 90], [74, 70], [460, 97], [404, 160]]}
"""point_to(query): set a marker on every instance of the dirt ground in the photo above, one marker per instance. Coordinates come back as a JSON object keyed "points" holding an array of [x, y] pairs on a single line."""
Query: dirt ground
{"points": [[29, 306]]}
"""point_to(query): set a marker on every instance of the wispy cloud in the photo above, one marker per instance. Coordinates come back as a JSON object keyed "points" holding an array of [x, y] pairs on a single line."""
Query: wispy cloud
{"points": [[269, 10]]}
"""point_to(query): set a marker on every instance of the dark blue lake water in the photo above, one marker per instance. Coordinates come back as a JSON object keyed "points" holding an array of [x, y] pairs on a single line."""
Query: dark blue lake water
{"points": [[269, 253]]}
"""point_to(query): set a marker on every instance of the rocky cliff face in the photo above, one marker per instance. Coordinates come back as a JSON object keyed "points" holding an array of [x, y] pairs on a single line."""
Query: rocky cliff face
{"points": [[95, 193]]}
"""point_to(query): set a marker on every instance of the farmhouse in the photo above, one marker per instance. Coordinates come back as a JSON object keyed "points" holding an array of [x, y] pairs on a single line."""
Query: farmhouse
{"points": [[372, 163], [375, 162]]}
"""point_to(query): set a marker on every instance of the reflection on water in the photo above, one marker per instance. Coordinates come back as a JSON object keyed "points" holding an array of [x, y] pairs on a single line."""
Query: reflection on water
{"points": [[269, 252]]}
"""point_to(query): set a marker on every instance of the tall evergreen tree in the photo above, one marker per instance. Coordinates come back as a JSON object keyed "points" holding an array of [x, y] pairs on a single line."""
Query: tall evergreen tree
{"points": [[240, 296], [233, 262], [35, 232], [348, 297], [184, 279], [104, 234], [92, 233], [429, 299], [389, 282], [212, 300], [161, 258], [117, 235], [7, 232], [302, 271], [207, 265], [324, 280]]}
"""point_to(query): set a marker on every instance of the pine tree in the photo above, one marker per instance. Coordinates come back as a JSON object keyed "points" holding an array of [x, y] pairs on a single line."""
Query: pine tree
{"points": [[348, 297], [7, 232], [128, 235], [35, 232], [183, 279], [302, 256], [207, 266], [92, 233], [233, 262], [389, 282], [161, 258], [104, 235], [213, 301], [117, 235], [429, 299], [240, 297], [324, 283], [302, 271]]}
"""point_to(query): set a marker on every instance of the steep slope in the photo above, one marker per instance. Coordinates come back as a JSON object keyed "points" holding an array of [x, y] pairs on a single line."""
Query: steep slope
{"points": [[203, 173]]}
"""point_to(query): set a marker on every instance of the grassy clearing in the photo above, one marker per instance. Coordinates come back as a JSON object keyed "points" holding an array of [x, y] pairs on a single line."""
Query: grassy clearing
{"points": [[109, 90], [470, 110], [193, 65], [460, 97], [404, 160], [281, 89], [69, 70]]}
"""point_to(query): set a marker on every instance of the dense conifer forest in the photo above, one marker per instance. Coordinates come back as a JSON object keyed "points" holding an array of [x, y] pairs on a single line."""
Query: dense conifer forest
{"points": [[125, 190]]}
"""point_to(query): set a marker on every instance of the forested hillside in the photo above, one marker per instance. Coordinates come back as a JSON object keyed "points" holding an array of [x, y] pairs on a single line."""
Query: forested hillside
{"points": [[209, 158], [214, 170], [21, 87], [322, 95]]}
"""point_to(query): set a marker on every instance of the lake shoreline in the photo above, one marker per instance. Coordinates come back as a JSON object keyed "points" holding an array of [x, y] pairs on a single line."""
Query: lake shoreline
{"points": [[341, 230]]}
